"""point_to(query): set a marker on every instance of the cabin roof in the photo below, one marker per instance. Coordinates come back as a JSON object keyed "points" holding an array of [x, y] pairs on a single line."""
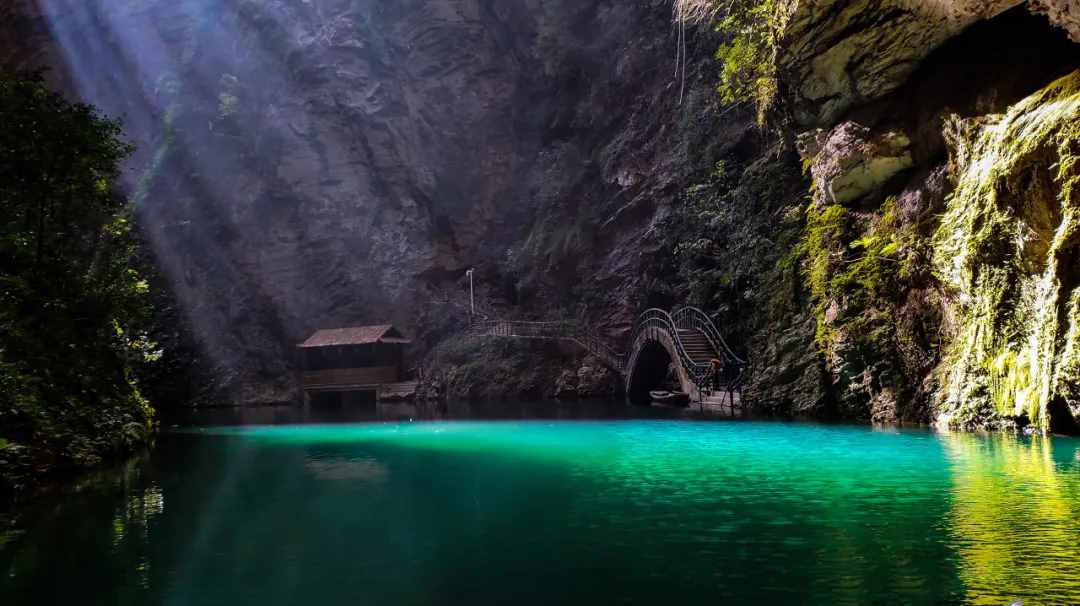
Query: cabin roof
{"points": [[355, 335]]}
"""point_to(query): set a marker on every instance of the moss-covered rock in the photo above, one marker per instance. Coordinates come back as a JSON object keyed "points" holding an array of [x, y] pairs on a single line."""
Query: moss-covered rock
{"points": [[850, 161], [837, 54], [1008, 248]]}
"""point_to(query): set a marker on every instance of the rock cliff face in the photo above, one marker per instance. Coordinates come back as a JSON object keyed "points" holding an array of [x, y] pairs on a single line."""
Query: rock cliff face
{"points": [[835, 55], [938, 246], [318, 163], [308, 163]]}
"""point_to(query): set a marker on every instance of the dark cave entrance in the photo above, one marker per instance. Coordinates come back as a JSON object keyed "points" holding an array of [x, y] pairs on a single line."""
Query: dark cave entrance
{"points": [[654, 370], [990, 66]]}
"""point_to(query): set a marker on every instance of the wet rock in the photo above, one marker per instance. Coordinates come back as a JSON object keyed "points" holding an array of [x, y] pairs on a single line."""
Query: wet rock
{"points": [[309, 164], [842, 53], [566, 386], [1007, 248], [786, 373], [851, 161], [596, 381]]}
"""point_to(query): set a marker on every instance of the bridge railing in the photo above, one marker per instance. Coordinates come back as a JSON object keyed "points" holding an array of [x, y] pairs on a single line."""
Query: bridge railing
{"points": [[658, 319], [596, 346], [568, 330], [704, 375]]}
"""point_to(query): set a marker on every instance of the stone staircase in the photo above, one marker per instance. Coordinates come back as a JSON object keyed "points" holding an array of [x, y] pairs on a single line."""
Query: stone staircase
{"points": [[697, 346]]}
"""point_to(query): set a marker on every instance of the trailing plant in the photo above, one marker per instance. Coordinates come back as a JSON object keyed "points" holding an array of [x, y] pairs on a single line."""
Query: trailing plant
{"points": [[748, 55]]}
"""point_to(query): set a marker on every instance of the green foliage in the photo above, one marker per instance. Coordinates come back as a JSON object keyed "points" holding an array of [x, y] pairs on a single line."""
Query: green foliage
{"points": [[73, 311], [726, 241], [821, 248], [747, 59], [860, 267], [701, 250], [864, 269], [1007, 247], [889, 258]]}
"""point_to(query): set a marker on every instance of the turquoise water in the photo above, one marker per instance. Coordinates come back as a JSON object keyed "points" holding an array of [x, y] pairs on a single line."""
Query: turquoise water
{"points": [[553, 512]]}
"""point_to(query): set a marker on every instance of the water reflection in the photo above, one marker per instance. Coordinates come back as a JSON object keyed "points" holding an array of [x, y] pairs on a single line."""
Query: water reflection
{"points": [[426, 411], [343, 469], [569, 513], [141, 507], [1015, 520]]}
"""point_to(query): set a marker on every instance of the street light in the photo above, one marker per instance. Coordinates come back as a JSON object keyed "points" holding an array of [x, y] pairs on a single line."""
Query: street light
{"points": [[472, 298]]}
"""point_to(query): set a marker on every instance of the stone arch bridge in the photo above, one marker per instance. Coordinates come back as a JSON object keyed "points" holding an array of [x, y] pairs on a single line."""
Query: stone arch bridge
{"points": [[684, 347]]}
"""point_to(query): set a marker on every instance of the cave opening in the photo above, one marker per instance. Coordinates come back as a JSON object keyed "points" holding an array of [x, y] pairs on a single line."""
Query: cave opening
{"points": [[990, 66], [652, 371]]}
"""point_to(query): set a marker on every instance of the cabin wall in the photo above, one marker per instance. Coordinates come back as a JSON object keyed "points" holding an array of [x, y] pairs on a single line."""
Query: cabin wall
{"points": [[353, 356]]}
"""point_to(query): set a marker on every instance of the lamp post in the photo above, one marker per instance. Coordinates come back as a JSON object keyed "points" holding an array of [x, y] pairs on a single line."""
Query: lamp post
{"points": [[472, 298]]}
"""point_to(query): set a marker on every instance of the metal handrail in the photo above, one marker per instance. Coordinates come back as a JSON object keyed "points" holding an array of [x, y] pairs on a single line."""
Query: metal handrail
{"points": [[567, 330], [692, 318], [685, 319], [662, 320]]}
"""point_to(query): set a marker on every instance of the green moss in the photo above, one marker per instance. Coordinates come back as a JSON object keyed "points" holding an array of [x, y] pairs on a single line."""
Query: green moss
{"points": [[1006, 246], [1067, 372], [859, 267], [821, 249], [864, 268], [747, 56]]}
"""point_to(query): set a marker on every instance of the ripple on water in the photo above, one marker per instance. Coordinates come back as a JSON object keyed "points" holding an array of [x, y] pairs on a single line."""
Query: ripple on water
{"points": [[569, 512]]}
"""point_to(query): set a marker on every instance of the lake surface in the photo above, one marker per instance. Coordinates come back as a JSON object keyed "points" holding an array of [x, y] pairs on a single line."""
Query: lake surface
{"points": [[631, 511]]}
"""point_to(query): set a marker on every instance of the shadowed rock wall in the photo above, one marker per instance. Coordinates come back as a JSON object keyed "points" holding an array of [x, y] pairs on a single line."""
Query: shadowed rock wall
{"points": [[941, 213], [306, 164]]}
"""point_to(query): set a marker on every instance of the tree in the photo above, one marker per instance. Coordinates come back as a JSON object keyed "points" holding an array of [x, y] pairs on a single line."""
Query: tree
{"points": [[73, 308]]}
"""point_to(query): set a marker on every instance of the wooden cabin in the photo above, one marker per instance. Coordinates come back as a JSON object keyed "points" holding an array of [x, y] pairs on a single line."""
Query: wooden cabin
{"points": [[356, 359]]}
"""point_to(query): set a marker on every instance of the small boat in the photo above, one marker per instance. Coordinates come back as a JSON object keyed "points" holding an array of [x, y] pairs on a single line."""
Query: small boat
{"points": [[672, 398]]}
